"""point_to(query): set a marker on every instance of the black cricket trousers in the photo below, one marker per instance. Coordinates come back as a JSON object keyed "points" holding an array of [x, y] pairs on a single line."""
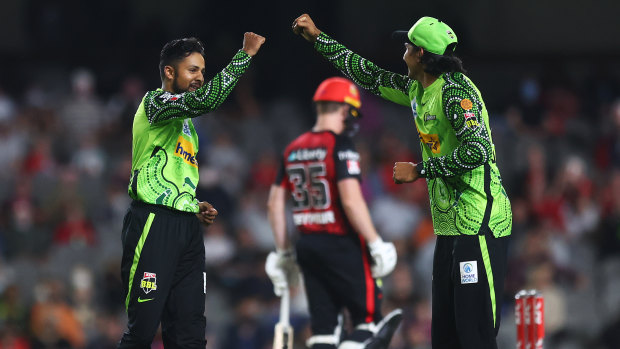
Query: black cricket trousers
{"points": [[468, 284], [163, 273]]}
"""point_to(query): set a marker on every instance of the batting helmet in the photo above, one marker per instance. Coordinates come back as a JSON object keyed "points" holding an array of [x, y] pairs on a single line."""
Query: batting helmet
{"points": [[338, 90]]}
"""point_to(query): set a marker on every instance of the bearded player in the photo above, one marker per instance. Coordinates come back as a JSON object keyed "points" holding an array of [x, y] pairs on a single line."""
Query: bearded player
{"points": [[163, 263]]}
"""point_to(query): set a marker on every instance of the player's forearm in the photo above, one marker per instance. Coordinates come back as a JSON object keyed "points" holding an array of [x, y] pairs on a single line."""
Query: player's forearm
{"points": [[356, 210], [359, 216], [362, 71], [162, 105], [277, 218]]}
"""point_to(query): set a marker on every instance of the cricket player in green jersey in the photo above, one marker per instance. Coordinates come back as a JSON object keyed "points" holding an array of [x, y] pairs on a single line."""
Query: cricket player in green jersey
{"points": [[469, 206], [163, 263]]}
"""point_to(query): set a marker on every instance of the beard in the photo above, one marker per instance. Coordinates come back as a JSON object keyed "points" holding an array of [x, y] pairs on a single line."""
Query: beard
{"points": [[176, 88]]}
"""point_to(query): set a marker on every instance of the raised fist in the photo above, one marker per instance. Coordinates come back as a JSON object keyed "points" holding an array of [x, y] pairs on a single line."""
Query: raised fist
{"points": [[304, 26], [252, 43]]}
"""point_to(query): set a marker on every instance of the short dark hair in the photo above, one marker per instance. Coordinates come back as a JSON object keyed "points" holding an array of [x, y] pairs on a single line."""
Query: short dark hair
{"points": [[435, 64], [323, 107], [176, 50]]}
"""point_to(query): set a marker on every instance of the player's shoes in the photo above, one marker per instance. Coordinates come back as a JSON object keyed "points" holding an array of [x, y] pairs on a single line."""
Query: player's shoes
{"points": [[385, 330]]}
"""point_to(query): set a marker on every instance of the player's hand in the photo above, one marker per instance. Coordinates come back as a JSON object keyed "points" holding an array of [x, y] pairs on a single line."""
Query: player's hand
{"points": [[384, 257], [404, 172], [304, 26], [282, 269], [207, 213], [252, 43]]}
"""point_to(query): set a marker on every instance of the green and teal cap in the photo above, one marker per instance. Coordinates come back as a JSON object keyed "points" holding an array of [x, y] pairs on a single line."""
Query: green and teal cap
{"points": [[429, 33]]}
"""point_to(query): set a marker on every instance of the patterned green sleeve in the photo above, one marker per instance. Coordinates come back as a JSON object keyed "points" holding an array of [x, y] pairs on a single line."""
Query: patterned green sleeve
{"points": [[463, 107], [389, 85], [162, 105]]}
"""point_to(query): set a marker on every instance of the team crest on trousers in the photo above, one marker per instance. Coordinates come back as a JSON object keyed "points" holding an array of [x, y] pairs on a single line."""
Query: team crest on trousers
{"points": [[149, 282]]}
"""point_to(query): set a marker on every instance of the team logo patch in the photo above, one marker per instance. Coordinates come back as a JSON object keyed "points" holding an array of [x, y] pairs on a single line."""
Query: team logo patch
{"points": [[186, 129], [469, 272], [149, 282], [353, 166], [429, 117], [414, 107], [466, 104], [470, 120]]}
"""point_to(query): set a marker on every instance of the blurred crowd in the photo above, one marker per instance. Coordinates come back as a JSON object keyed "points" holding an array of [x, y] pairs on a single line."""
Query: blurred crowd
{"points": [[66, 158]]}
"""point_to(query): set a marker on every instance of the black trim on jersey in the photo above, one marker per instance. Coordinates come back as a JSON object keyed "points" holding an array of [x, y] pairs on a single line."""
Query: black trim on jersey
{"points": [[344, 145], [134, 182], [155, 150], [484, 226]]}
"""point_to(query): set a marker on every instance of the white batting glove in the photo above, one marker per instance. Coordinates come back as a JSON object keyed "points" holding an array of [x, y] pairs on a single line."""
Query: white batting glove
{"points": [[282, 269], [384, 256]]}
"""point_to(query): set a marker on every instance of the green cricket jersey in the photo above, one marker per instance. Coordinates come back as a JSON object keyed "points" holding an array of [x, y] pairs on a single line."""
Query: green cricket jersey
{"points": [[464, 184], [164, 167]]}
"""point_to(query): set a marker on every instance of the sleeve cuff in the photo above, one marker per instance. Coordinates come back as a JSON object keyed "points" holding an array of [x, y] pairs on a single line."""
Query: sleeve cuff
{"points": [[321, 41], [419, 168], [240, 63]]}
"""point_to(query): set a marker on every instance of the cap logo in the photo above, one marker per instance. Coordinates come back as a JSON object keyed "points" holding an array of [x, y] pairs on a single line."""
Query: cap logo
{"points": [[450, 34], [353, 90]]}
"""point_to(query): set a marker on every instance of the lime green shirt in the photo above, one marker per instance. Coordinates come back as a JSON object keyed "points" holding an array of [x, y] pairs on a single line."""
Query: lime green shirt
{"points": [[464, 184], [164, 166]]}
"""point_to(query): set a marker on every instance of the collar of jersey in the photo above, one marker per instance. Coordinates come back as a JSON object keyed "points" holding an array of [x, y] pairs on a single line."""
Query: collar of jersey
{"points": [[430, 90]]}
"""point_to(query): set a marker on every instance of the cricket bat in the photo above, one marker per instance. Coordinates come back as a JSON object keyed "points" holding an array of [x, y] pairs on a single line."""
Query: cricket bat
{"points": [[283, 332]]}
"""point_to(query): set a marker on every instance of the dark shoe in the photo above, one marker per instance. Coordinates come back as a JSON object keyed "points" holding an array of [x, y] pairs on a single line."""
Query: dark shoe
{"points": [[385, 330]]}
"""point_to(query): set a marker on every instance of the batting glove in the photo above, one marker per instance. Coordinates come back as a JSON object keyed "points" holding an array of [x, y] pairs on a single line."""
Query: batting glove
{"points": [[282, 269], [384, 256]]}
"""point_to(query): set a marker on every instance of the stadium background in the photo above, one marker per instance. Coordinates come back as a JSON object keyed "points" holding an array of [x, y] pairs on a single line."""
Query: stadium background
{"points": [[72, 73]]}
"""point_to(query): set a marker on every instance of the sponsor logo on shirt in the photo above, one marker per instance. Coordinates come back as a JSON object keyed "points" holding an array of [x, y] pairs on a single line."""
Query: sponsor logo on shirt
{"points": [[469, 272], [149, 282], [432, 141], [307, 154], [348, 155], [185, 150], [353, 166]]}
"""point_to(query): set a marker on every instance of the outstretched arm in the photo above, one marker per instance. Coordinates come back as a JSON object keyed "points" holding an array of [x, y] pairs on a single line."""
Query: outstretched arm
{"points": [[391, 86], [162, 105]]}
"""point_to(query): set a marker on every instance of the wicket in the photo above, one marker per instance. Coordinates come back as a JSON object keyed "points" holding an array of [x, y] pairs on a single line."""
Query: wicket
{"points": [[530, 320]]}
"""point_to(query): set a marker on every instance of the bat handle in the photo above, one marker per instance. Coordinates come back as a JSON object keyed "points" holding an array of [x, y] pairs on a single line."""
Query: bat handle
{"points": [[284, 307]]}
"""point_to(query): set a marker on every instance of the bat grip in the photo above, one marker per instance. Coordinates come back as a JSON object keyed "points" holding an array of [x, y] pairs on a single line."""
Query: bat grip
{"points": [[284, 307]]}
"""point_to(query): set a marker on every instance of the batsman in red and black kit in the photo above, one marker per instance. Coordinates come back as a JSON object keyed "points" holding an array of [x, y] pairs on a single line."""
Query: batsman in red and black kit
{"points": [[339, 250]]}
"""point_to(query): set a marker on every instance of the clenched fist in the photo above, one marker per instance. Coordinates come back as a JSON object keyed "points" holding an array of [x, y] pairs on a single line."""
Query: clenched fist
{"points": [[404, 172], [207, 213], [252, 43], [304, 26]]}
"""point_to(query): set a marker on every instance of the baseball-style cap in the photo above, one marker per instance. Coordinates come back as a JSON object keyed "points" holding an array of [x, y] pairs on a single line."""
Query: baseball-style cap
{"points": [[429, 33], [338, 89]]}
